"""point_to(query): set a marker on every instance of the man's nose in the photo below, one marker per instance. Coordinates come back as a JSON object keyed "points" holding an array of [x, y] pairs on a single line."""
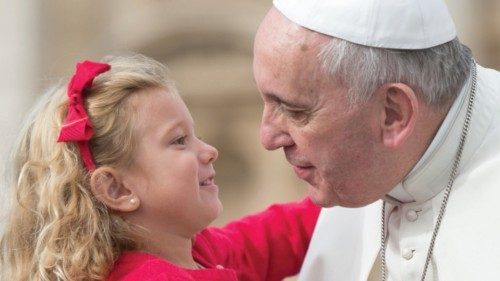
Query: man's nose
{"points": [[273, 133]]}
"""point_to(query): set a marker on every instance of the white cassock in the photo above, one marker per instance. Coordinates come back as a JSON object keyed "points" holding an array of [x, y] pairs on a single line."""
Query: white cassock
{"points": [[346, 242]]}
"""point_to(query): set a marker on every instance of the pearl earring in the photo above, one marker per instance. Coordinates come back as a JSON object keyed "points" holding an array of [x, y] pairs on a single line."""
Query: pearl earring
{"points": [[133, 201]]}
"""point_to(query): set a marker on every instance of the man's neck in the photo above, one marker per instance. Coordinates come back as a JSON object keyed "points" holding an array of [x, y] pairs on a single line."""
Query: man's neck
{"points": [[435, 124]]}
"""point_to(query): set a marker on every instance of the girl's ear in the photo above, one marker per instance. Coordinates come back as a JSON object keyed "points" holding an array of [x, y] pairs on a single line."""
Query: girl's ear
{"points": [[107, 187]]}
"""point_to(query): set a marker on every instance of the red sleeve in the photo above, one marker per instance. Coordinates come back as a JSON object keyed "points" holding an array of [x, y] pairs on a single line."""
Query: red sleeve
{"points": [[266, 246]]}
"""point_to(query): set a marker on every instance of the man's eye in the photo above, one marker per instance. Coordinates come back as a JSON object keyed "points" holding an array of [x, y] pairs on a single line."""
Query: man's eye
{"points": [[294, 113], [180, 140], [300, 116]]}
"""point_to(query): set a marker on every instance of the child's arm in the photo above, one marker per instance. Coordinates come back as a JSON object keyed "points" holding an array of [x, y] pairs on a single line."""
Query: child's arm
{"points": [[267, 246]]}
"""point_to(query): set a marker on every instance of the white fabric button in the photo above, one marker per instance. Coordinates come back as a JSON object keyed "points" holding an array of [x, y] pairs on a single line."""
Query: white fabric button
{"points": [[411, 215], [408, 254]]}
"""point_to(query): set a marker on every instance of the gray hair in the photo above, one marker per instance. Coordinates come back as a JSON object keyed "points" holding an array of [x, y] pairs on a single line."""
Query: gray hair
{"points": [[435, 74]]}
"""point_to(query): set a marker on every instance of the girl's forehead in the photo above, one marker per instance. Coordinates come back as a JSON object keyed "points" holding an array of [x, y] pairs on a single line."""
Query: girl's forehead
{"points": [[158, 100], [161, 109]]}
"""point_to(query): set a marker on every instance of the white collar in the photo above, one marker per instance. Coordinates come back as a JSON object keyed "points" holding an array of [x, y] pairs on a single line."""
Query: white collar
{"points": [[429, 176]]}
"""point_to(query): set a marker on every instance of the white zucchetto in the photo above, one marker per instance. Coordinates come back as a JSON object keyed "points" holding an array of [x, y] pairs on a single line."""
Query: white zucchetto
{"points": [[395, 24]]}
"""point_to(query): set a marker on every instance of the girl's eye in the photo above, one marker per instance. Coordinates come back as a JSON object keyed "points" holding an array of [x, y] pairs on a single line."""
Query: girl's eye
{"points": [[180, 140]]}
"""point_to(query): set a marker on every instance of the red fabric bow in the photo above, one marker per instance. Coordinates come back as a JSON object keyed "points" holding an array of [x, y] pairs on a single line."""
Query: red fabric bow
{"points": [[77, 125]]}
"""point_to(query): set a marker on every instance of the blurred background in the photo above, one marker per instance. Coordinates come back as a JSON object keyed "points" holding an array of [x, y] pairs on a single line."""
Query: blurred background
{"points": [[208, 47]]}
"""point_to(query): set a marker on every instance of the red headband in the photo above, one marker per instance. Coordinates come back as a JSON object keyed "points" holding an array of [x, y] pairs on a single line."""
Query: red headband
{"points": [[77, 126]]}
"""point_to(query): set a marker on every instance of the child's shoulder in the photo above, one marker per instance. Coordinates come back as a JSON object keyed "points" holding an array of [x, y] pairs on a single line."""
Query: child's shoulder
{"points": [[134, 266]]}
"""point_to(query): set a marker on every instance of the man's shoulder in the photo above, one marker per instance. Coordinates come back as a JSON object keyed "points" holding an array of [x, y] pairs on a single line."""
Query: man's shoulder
{"points": [[489, 75]]}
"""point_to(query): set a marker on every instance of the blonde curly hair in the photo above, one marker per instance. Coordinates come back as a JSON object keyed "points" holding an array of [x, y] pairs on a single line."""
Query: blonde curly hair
{"points": [[57, 229]]}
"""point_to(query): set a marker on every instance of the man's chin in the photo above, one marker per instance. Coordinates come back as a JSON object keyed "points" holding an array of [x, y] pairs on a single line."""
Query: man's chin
{"points": [[325, 198], [321, 198]]}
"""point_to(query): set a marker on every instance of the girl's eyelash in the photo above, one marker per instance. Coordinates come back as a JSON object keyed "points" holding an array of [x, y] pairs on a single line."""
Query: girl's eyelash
{"points": [[180, 140]]}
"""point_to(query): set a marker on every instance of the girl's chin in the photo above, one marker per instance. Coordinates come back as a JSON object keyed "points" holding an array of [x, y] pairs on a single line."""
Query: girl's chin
{"points": [[220, 208], [214, 209]]}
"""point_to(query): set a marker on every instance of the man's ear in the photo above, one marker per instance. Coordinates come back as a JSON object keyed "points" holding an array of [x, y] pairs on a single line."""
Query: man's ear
{"points": [[400, 108], [107, 187]]}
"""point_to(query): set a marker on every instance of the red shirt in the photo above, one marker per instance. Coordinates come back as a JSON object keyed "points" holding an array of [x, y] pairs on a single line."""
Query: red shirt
{"points": [[267, 246]]}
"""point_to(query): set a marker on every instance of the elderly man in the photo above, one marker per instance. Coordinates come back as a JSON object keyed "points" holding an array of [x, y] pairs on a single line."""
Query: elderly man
{"points": [[379, 100]]}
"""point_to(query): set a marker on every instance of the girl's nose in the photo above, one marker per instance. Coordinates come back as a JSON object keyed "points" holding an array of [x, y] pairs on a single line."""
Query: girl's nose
{"points": [[209, 154]]}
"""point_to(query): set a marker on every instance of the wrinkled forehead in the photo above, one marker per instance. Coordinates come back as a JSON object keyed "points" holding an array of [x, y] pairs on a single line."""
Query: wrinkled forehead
{"points": [[279, 34]]}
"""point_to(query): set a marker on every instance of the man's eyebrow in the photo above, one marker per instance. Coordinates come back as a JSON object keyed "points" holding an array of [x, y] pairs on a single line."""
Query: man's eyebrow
{"points": [[277, 99]]}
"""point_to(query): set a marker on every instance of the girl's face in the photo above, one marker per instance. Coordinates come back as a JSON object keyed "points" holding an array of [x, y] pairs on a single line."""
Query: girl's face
{"points": [[172, 172]]}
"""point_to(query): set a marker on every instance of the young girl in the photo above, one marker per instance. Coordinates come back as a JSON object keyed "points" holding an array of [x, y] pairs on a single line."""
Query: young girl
{"points": [[112, 183]]}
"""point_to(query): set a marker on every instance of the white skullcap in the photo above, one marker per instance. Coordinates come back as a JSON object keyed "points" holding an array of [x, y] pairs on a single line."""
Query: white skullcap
{"points": [[395, 24]]}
